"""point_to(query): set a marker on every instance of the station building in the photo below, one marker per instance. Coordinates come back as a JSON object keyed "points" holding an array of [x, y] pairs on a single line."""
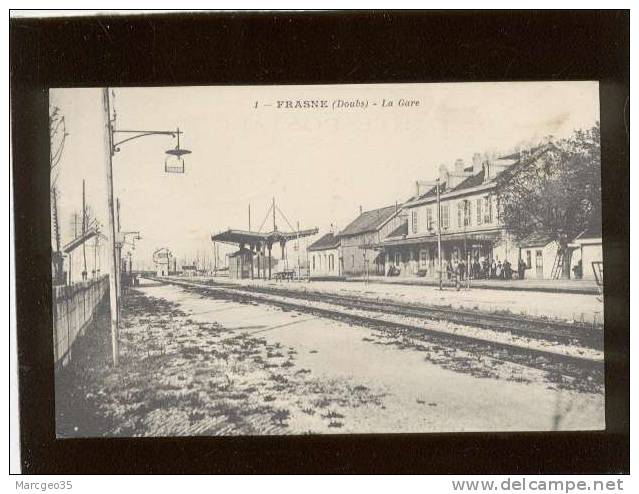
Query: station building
{"points": [[587, 254], [324, 257], [358, 241], [470, 221], [254, 257]]}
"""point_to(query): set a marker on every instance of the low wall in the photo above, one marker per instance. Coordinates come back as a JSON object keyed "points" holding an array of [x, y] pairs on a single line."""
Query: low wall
{"points": [[73, 309]]}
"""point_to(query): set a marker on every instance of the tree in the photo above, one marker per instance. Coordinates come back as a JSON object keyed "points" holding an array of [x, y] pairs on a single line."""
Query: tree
{"points": [[57, 137], [556, 190]]}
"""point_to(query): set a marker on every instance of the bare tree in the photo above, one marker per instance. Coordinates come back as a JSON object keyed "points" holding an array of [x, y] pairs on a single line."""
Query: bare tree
{"points": [[57, 136]]}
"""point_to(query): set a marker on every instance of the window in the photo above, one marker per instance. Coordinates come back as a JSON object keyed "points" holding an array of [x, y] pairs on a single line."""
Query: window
{"points": [[423, 260], [313, 262], [429, 218], [480, 218], [500, 212], [397, 258], [467, 212], [528, 259], [539, 259], [414, 221], [331, 262], [488, 210], [445, 212], [463, 213]]}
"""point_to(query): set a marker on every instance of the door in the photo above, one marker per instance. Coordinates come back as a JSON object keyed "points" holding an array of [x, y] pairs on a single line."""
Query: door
{"points": [[539, 264]]}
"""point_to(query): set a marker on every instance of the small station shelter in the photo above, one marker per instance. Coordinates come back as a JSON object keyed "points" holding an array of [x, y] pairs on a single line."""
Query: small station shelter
{"points": [[254, 259]]}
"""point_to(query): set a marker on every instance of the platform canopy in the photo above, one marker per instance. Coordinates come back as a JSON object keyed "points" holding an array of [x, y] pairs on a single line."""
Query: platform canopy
{"points": [[245, 237], [78, 241], [489, 236]]}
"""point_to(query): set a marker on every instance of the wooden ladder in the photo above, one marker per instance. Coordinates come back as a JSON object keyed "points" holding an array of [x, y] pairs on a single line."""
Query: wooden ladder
{"points": [[558, 266]]}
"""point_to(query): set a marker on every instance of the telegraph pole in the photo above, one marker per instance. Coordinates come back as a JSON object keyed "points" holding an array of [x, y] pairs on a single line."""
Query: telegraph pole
{"points": [[273, 207], [118, 247], [85, 275], [112, 250], [115, 243]]}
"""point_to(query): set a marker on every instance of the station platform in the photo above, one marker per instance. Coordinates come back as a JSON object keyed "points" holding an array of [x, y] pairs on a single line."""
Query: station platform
{"points": [[586, 287]]}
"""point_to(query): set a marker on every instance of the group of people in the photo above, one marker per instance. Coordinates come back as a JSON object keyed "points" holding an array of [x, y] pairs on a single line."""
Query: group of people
{"points": [[483, 269]]}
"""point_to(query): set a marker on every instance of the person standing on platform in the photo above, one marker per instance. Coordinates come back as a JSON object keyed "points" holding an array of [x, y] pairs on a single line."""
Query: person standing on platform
{"points": [[521, 268]]}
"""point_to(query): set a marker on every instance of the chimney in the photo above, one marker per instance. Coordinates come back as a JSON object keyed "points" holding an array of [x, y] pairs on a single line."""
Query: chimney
{"points": [[416, 188], [459, 166], [443, 173], [477, 163], [360, 210]]}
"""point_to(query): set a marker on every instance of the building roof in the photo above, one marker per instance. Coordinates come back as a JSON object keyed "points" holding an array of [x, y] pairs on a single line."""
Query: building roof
{"points": [[242, 251], [247, 237], [524, 161], [432, 192], [400, 231], [537, 239], [593, 231], [472, 181], [328, 241], [509, 166], [369, 221]]}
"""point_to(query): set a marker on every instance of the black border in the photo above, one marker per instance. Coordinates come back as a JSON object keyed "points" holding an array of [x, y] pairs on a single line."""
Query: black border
{"points": [[314, 48]]}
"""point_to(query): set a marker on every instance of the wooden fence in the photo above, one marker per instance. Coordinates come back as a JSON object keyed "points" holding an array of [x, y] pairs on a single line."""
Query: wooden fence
{"points": [[73, 309]]}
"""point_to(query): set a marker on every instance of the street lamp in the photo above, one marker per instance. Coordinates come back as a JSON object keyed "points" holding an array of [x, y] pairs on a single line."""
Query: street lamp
{"points": [[174, 163]]}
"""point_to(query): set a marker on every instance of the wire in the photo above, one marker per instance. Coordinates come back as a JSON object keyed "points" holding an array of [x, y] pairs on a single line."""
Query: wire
{"points": [[266, 217], [285, 218]]}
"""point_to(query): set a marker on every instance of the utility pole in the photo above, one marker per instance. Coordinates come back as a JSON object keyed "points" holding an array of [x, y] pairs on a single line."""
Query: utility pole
{"points": [[113, 283], [115, 243], [439, 235], [273, 208], [118, 246], [466, 256], [84, 231]]}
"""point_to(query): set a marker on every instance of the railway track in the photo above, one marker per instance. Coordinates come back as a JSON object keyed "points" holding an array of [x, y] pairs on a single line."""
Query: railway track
{"points": [[587, 335], [365, 312]]}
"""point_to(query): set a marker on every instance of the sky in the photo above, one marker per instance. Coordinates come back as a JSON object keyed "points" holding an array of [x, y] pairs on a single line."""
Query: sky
{"points": [[320, 164]]}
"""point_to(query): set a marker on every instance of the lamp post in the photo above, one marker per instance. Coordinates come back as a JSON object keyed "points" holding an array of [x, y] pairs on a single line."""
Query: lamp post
{"points": [[112, 147], [466, 256]]}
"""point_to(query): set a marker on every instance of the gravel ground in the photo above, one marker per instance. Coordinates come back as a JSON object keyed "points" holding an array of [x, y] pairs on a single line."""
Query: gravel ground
{"points": [[194, 365]]}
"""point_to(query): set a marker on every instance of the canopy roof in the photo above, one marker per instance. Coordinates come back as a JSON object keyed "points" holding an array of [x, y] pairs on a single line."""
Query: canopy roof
{"points": [[481, 236], [240, 237], [77, 242]]}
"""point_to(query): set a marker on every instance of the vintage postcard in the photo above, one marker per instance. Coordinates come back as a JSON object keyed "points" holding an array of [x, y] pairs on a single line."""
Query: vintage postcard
{"points": [[327, 259]]}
